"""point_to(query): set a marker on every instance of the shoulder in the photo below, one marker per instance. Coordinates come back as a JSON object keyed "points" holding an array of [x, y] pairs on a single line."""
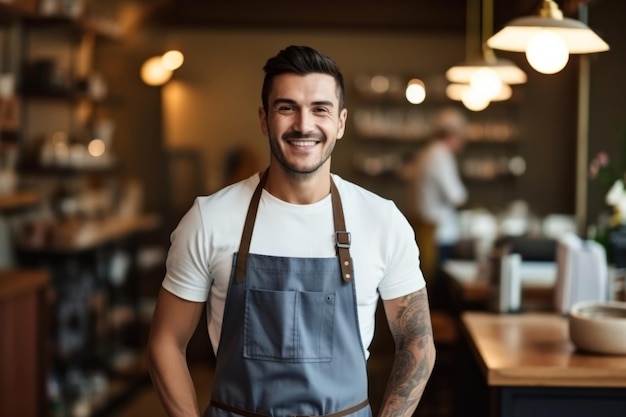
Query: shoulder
{"points": [[232, 195], [358, 201], [224, 208], [350, 191]]}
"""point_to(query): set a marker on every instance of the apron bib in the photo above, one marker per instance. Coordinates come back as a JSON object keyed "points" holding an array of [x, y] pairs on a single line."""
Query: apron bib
{"points": [[290, 343]]}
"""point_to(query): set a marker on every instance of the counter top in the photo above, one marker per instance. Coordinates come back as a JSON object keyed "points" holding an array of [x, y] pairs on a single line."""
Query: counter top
{"points": [[14, 282], [534, 349]]}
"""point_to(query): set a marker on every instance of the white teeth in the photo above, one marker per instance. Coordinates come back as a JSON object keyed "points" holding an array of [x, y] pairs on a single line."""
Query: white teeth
{"points": [[303, 142]]}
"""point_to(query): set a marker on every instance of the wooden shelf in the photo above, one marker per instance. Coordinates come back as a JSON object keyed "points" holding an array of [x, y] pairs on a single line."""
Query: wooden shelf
{"points": [[9, 12], [17, 200], [66, 171], [101, 28], [96, 233]]}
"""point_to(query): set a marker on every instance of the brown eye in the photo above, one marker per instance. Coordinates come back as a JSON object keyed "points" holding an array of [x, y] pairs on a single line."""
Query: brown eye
{"points": [[285, 109]]}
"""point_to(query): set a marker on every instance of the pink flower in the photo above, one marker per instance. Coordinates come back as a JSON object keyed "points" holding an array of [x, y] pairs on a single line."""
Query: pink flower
{"points": [[602, 158]]}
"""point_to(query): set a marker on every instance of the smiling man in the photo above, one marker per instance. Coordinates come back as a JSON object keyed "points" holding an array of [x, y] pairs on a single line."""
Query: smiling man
{"points": [[290, 263]]}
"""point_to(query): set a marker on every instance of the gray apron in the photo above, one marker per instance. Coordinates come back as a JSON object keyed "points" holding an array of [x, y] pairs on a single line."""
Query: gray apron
{"points": [[290, 343]]}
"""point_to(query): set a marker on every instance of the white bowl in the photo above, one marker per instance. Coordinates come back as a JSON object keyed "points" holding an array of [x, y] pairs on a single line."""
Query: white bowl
{"points": [[599, 327]]}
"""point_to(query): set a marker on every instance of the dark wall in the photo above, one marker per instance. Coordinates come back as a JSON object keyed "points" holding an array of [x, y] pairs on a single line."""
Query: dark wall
{"points": [[607, 111]]}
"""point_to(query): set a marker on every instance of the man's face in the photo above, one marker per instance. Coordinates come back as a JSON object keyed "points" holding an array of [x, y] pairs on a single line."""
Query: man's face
{"points": [[303, 121]]}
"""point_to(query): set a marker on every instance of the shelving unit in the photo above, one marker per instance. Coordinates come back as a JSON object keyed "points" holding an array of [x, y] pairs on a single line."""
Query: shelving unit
{"points": [[80, 231]]}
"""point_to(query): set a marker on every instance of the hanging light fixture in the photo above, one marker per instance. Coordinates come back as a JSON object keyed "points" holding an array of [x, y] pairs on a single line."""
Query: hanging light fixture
{"points": [[485, 77], [507, 71], [415, 91], [548, 38], [158, 70]]}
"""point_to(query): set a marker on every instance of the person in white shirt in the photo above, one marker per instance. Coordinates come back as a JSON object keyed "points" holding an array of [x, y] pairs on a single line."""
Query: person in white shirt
{"points": [[290, 264], [435, 188]]}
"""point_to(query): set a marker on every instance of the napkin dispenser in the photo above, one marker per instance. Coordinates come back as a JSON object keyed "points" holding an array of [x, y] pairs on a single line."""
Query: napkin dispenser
{"points": [[582, 272], [507, 288]]}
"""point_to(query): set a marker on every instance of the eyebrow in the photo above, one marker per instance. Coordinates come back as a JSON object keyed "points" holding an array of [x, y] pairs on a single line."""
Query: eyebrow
{"points": [[293, 102]]}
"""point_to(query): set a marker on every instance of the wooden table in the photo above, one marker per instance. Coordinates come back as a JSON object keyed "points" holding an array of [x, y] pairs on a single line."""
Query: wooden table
{"points": [[532, 369], [470, 286]]}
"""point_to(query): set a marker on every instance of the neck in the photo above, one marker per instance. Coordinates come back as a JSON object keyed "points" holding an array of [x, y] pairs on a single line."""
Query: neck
{"points": [[293, 189]]}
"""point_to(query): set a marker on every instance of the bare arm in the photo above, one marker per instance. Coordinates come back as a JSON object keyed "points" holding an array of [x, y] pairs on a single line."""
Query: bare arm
{"points": [[173, 324], [410, 325]]}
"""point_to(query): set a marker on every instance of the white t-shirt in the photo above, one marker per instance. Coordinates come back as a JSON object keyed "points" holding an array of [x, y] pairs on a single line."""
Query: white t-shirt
{"points": [[439, 191], [383, 248]]}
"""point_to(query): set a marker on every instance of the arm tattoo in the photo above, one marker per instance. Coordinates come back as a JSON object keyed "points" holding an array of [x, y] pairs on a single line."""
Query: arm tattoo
{"points": [[412, 332]]}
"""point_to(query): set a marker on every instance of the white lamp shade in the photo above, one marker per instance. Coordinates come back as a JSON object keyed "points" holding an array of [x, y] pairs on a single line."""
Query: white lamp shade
{"points": [[508, 72], [577, 36], [457, 91]]}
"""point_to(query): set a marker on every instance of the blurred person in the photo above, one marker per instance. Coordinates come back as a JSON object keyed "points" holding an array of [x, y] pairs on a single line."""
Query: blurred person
{"points": [[291, 307], [436, 191]]}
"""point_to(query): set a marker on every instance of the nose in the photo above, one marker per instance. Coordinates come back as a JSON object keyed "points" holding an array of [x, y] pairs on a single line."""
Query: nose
{"points": [[303, 121]]}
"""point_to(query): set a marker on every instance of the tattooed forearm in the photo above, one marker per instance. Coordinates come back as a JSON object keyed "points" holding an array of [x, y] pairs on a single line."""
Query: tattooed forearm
{"points": [[410, 325]]}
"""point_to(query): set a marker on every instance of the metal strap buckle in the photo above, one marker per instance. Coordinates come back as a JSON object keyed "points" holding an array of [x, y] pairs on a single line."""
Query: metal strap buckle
{"points": [[343, 239]]}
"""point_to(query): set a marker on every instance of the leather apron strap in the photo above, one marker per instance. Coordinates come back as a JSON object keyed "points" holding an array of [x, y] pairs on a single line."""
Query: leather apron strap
{"points": [[248, 413], [342, 236]]}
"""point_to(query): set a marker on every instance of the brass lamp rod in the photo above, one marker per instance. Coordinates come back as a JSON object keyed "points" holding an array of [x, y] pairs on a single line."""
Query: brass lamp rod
{"points": [[473, 43]]}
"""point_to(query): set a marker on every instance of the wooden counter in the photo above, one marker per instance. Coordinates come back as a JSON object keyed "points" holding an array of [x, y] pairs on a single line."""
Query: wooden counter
{"points": [[535, 349], [528, 361], [24, 315], [16, 282]]}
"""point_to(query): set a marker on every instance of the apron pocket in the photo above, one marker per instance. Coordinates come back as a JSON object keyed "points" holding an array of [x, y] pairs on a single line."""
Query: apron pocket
{"points": [[288, 326]]}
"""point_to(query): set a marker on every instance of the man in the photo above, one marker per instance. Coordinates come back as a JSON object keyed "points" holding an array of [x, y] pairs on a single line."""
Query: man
{"points": [[290, 315], [436, 191]]}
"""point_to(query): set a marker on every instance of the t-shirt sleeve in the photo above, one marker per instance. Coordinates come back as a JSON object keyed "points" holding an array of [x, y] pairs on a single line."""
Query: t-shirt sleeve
{"points": [[187, 272], [402, 273]]}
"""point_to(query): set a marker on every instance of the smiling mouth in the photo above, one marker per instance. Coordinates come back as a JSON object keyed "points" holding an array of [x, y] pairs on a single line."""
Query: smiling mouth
{"points": [[303, 143]]}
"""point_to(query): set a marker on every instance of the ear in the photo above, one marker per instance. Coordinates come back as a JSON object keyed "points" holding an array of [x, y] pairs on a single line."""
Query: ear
{"points": [[341, 125], [263, 120]]}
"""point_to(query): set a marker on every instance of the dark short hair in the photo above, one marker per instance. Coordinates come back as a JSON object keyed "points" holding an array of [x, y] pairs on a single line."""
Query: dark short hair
{"points": [[301, 60]]}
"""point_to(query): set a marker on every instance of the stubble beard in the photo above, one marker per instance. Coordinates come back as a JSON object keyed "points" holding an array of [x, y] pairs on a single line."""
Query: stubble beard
{"points": [[291, 169]]}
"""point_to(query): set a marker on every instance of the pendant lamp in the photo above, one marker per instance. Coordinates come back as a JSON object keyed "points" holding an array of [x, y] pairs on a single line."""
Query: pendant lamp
{"points": [[508, 72], [483, 78], [548, 38]]}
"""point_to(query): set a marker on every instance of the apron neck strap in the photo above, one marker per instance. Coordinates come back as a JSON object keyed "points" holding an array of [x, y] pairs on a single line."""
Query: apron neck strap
{"points": [[342, 237]]}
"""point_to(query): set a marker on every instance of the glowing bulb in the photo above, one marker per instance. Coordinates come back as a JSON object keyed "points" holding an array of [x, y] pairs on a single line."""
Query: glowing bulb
{"points": [[172, 60], [474, 100], [96, 147], [379, 84], [153, 72], [415, 92], [547, 52], [486, 82]]}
